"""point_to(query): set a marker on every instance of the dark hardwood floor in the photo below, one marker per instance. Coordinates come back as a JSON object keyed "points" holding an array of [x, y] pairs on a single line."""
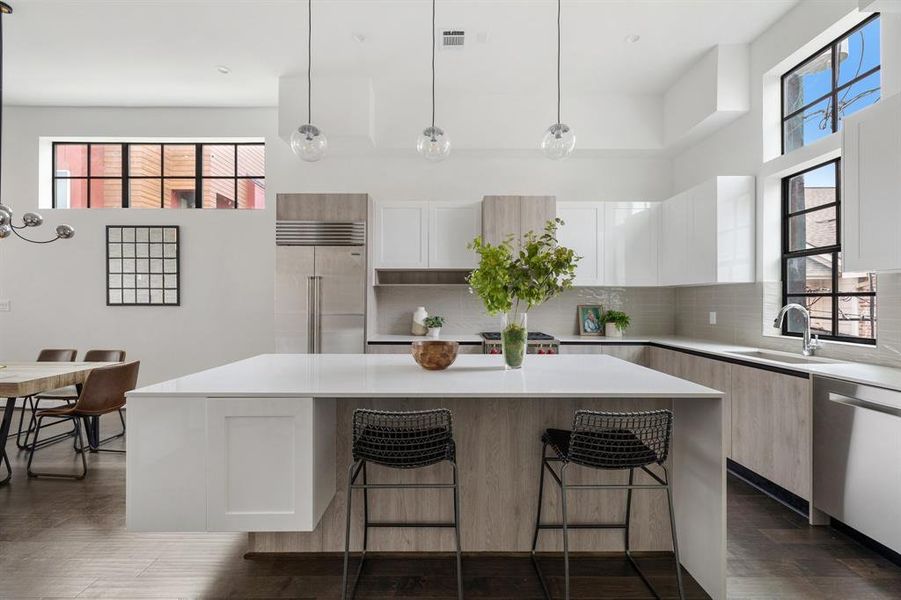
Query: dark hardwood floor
{"points": [[67, 539]]}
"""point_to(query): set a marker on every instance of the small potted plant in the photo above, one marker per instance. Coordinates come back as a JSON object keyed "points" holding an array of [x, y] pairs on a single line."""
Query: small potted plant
{"points": [[615, 323], [434, 325]]}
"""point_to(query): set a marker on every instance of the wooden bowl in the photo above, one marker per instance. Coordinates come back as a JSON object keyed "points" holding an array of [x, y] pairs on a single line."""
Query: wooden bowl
{"points": [[434, 355]]}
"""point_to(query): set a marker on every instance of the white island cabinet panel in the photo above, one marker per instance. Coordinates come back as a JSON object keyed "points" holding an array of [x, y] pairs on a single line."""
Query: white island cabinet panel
{"points": [[871, 188], [583, 232], [402, 235], [265, 458], [165, 489], [452, 226]]}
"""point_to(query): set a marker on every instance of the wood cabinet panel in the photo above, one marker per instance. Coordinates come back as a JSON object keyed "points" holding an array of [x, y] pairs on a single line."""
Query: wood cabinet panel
{"points": [[771, 416], [703, 371], [321, 207], [503, 216], [405, 349], [638, 354]]}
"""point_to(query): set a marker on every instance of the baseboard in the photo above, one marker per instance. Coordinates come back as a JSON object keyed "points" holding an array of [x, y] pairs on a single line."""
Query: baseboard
{"points": [[773, 490], [866, 541]]}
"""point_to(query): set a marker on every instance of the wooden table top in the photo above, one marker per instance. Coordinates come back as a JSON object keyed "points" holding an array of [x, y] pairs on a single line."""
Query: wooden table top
{"points": [[27, 378]]}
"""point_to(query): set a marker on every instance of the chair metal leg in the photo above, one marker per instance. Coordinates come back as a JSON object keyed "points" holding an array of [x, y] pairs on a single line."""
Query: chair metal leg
{"points": [[351, 476], [542, 467], [35, 446], [457, 532], [19, 443], [672, 520], [629, 507], [565, 532], [92, 432], [365, 513]]}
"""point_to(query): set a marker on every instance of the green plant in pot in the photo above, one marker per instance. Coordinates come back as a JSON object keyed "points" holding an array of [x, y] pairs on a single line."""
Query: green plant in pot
{"points": [[434, 325], [615, 323], [512, 282]]}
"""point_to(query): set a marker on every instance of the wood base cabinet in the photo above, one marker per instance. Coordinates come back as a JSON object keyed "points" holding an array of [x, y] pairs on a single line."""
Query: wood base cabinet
{"points": [[771, 426], [638, 354]]}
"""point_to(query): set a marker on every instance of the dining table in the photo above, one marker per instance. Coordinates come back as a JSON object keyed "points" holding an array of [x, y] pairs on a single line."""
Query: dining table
{"points": [[22, 379]]}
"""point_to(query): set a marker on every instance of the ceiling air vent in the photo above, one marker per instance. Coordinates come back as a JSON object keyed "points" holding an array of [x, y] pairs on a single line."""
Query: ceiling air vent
{"points": [[452, 38]]}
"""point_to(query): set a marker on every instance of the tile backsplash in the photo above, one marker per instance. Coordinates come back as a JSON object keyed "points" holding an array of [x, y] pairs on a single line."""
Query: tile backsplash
{"points": [[744, 314], [652, 309]]}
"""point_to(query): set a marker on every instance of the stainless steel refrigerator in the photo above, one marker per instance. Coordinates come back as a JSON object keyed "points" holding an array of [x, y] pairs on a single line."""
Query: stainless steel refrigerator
{"points": [[320, 289]]}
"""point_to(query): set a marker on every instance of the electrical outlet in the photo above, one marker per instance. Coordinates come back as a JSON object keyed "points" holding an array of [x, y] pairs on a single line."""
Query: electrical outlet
{"points": [[712, 318], [4, 305]]}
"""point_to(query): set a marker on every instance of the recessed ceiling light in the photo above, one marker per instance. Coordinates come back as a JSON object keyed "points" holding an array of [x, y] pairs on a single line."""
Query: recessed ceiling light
{"points": [[633, 38], [223, 69], [359, 37]]}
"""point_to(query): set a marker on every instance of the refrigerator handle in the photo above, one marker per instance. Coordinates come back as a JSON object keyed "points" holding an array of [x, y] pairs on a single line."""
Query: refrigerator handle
{"points": [[318, 279], [311, 315]]}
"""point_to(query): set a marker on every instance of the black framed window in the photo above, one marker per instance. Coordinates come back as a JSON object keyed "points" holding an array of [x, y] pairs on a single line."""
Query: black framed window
{"points": [[159, 175], [842, 305], [837, 81]]}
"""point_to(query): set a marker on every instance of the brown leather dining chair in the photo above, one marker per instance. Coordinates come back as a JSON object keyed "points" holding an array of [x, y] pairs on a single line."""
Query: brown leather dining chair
{"points": [[70, 395], [103, 392], [31, 403]]}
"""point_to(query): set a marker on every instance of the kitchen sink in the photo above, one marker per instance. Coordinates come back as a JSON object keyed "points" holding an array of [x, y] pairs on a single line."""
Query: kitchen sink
{"points": [[783, 357]]}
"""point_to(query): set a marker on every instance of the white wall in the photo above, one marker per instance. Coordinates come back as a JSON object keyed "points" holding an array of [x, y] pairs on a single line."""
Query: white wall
{"points": [[749, 146], [57, 291]]}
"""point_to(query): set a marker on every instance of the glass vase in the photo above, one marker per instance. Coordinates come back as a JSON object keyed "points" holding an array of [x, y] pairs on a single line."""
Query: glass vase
{"points": [[514, 338]]}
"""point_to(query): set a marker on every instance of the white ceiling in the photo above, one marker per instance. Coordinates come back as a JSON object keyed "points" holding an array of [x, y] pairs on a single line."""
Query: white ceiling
{"points": [[165, 52]]}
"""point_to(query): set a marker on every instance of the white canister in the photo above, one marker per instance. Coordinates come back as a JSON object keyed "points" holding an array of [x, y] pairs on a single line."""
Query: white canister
{"points": [[611, 330], [419, 318]]}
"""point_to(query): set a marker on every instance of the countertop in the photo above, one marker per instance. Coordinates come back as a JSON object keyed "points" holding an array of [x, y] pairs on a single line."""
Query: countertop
{"points": [[862, 373], [397, 376], [406, 339]]}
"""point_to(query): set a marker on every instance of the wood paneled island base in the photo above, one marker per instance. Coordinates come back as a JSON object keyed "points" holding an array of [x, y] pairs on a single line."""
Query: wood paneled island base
{"points": [[244, 436]]}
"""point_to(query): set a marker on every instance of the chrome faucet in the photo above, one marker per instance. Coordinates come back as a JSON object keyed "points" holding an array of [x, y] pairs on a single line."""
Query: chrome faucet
{"points": [[810, 345]]}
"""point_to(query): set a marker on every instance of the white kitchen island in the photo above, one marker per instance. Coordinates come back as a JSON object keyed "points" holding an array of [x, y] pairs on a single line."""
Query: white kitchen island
{"points": [[263, 445]]}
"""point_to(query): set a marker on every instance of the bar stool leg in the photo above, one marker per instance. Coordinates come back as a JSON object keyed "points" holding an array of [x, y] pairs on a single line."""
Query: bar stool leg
{"points": [[629, 508], [540, 497], [565, 533], [457, 532], [672, 520], [365, 514], [350, 480]]}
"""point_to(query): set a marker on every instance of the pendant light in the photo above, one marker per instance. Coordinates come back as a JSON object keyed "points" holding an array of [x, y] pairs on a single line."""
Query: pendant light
{"points": [[30, 219], [308, 142], [432, 143], [559, 140]]}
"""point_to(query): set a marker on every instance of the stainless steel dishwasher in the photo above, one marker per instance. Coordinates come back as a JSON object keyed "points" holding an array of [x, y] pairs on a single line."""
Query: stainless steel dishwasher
{"points": [[857, 457]]}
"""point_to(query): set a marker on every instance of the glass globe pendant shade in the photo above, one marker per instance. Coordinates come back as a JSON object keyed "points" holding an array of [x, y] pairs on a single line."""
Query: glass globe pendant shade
{"points": [[433, 144], [558, 141], [309, 143]]}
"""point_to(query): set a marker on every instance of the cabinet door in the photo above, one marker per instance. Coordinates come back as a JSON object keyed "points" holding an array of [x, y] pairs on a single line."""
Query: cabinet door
{"points": [[871, 188], [630, 243], [583, 232], [402, 235], [771, 425], [701, 234], [270, 463], [633, 353], [500, 218], [712, 373], [535, 212], [674, 240], [451, 228]]}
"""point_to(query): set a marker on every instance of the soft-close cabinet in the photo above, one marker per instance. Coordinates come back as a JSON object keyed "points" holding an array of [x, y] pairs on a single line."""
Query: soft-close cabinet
{"points": [[630, 243], [505, 216], [706, 233], [583, 232], [426, 235], [871, 188]]}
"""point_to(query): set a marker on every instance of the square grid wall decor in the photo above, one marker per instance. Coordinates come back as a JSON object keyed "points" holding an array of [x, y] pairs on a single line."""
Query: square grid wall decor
{"points": [[142, 265]]}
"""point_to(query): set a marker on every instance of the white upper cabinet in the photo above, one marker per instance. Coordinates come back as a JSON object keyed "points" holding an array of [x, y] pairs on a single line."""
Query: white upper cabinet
{"points": [[707, 233], [583, 232], [451, 228], [423, 235], [630, 243], [871, 188]]}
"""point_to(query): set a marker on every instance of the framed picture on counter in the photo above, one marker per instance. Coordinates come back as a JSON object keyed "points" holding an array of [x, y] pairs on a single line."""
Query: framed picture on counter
{"points": [[590, 321]]}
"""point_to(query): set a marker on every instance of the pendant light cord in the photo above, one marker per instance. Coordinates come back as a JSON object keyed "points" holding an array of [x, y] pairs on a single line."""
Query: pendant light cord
{"points": [[433, 64], [1, 100], [558, 61], [309, 61]]}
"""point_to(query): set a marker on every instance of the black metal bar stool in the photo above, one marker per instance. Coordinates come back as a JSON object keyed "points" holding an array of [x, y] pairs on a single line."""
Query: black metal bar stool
{"points": [[400, 440], [610, 441]]}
